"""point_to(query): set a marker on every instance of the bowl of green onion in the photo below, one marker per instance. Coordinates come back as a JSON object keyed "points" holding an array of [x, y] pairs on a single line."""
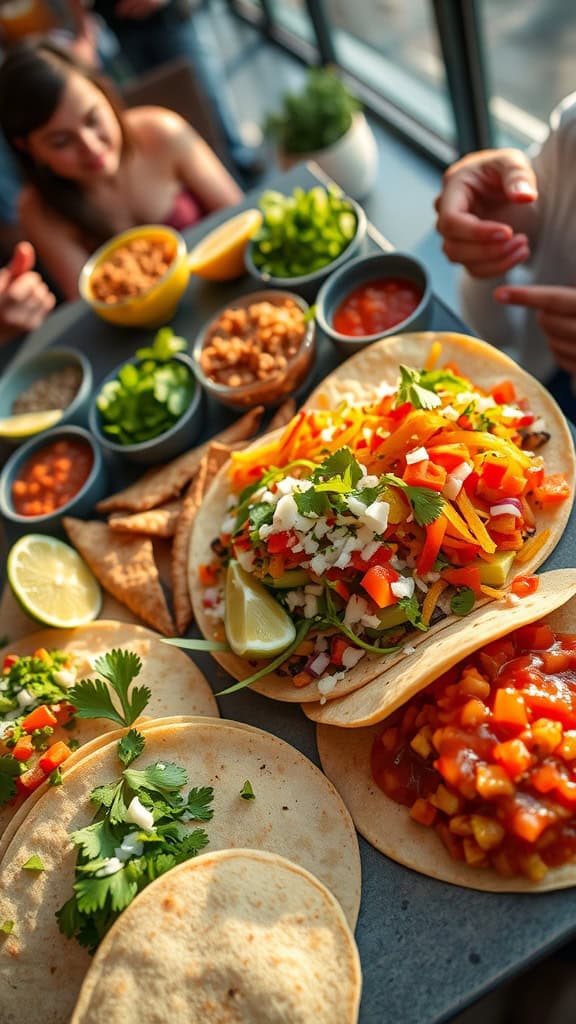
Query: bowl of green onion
{"points": [[304, 237], [149, 409]]}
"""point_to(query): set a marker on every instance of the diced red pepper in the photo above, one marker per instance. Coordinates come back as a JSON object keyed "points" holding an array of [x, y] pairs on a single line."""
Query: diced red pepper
{"points": [[493, 472], [54, 757], [38, 719], [376, 583], [504, 393], [449, 456], [522, 586], [552, 490], [23, 749], [434, 536], [465, 577], [9, 661], [277, 543], [342, 590], [337, 647], [30, 780], [425, 474], [381, 556]]}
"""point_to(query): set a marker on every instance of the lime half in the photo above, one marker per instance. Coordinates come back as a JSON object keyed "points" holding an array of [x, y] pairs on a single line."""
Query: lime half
{"points": [[28, 423], [256, 625], [51, 582]]}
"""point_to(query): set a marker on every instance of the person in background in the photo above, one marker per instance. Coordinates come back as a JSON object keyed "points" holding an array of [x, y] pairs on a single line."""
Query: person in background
{"points": [[25, 300], [92, 169], [510, 220]]}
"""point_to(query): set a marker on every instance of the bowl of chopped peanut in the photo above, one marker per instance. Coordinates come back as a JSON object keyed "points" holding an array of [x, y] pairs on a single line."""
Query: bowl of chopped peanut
{"points": [[258, 350], [137, 278]]}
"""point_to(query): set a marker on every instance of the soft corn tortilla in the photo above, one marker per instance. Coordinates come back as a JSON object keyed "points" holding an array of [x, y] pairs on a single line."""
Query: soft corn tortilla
{"points": [[356, 378], [176, 684], [345, 757], [235, 936], [297, 813]]}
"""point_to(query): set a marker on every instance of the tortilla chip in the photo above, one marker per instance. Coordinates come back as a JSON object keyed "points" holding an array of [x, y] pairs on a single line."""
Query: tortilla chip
{"points": [[156, 522], [125, 566], [159, 485], [283, 415], [214, 459]]}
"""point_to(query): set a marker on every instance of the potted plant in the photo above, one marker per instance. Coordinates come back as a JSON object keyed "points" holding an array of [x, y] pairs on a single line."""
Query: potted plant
{"points": [[324, 122]]}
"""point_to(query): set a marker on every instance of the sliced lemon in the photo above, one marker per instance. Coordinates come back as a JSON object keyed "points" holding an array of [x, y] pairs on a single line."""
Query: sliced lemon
{"points": [[256, 625], [220, 255], [27, 423], [52, 583]]}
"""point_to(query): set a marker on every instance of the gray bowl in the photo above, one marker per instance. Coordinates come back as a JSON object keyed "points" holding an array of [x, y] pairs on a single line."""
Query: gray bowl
{"points": [[307, 284], [165, 446], [93, 489], [359, 272], [14, 382]]}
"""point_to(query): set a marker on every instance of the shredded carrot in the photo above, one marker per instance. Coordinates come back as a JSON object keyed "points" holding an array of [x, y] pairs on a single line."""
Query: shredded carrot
{"points": [[497, 595], [431, 599], [487, 442], [458, 523], [475, 523], [532, 546], [433, 355]]}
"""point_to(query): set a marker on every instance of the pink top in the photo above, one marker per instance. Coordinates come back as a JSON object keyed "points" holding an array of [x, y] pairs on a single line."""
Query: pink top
{"points": [[186, 211]]}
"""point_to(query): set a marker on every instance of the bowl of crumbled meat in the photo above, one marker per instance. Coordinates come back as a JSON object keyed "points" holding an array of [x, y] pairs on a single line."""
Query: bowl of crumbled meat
{"points": [[137, 278], [256, 351], [50, 388]]}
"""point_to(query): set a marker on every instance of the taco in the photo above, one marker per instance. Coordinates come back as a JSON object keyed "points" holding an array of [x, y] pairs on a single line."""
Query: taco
{"points": [[178, 947], [295, 811], [383, 513], [40, 734], [473, 780]]}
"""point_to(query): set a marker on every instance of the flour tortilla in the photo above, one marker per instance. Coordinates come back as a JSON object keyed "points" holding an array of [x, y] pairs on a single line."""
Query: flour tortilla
{"points": [[176, 684], [237, 936], [345, 757], [359, 378], [297, 813]]}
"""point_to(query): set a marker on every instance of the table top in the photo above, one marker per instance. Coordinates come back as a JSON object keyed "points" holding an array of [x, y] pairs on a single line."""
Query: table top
{"points": [[428, 949]]}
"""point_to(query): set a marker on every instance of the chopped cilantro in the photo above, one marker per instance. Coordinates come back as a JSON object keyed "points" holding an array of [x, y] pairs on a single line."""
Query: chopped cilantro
{"points": [[340, 465], [130, 747], [34, 863], [198, 803], [312, 503], [9, 772], [247, 792], [413, 612], [426, 504], [73, 744], [92, 698], [7, 927], [419, 387], [55, 777], [463, 601], [41, 737], [259, 515]]}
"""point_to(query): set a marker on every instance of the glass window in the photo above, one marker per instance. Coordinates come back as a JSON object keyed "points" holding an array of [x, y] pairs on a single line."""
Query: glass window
{"points": [[392, 46], [293, 16], [529, 50]]}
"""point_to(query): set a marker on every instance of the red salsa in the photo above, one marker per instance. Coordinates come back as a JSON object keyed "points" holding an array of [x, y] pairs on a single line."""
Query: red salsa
{"points": [[376, 306], [51, 477], [487, 755]]}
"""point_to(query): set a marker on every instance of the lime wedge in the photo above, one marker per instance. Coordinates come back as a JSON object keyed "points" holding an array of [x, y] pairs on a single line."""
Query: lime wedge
{"points": [[51, 582], [256, 625], [27, 423]]}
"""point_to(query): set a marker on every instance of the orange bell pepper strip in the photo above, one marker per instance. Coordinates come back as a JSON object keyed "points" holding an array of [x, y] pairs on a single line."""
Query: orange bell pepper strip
{"points": [[425, 474], [376, 583], [552, 490], [434, 536], [40, 718], [23, 749], [54, 757], [468, 576]]}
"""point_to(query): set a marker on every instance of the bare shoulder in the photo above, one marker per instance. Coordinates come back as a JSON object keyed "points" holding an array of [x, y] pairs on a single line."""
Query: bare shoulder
{"points": [[154, 126]]}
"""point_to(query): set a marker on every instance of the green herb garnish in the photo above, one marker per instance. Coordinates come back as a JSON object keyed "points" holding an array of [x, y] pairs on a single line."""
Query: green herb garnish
{"points": [[7, 927], [34, 863], [463, 601], [93, 699], [419, 387], [247, 792]]}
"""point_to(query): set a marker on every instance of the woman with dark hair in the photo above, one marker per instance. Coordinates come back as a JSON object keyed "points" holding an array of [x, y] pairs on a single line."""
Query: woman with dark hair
{"points": [[93, 169]]}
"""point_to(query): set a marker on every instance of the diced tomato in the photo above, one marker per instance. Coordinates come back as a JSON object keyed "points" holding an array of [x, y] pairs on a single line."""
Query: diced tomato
{"points": [[400, 413], [337, 647], [38, 719], [537, 636], [471, 483], [552, 490], [425, 474], [466, 577], [449, 456], [522, 586], [23, 749], [376, 583], [30, 780], [9, 661], [380, 557], [54, 757], [342, 590], [504, 393], [510, 709], [279, 542], [493, 472]]}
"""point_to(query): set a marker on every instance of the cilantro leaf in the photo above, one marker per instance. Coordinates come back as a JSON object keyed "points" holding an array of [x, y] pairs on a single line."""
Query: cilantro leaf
{"points": [[69, 920], [9, 772], [413, 612], [192, 844], [7, 927], [130, 747], [163, 777], [247, 791], [93, 893], [92, 698], [463, 601], [198, 802], [55, 777], [96, 840], [34, 863], [312, 503], [259, 515], [426, 503], [336, 466], [413, 389]]}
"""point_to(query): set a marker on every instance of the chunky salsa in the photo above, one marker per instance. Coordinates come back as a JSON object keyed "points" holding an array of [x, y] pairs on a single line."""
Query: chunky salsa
{"points": [[376, 306], [487, 755], [51, 477]]}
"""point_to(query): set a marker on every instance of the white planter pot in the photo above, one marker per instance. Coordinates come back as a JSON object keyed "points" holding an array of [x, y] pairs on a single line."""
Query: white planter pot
{"points": [[352, 162]]}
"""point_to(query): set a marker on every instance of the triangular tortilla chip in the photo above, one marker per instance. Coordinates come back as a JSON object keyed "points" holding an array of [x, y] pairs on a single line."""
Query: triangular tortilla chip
{"points": [[125, 566], [282, 416], [214, 459], [165, 482], [155, 522]]}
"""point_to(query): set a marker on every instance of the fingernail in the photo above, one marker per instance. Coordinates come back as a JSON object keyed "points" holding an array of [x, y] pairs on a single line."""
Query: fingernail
{"points": [[503, 295], [499, 235], [522, 188]]}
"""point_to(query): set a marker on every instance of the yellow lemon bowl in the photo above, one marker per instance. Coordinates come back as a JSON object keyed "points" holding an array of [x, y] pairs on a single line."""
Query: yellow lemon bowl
{"points": [[219, 256], [156, 304]]}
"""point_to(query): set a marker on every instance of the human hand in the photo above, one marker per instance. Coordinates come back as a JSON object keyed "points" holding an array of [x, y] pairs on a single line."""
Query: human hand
{"points": [[555, 312], [25, 299], [138, 9], [474, 191]]}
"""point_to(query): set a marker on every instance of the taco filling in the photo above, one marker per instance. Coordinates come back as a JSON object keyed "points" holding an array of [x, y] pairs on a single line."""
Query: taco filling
{"points": [[369, 521], [486, 755]]}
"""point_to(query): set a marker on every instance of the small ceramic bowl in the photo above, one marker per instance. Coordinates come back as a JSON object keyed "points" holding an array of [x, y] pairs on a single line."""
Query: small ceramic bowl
{"points": [[92, 490], [266, 392], [39, 366], [150, 308], [308, 284], [361, 272], [166, 445]]}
